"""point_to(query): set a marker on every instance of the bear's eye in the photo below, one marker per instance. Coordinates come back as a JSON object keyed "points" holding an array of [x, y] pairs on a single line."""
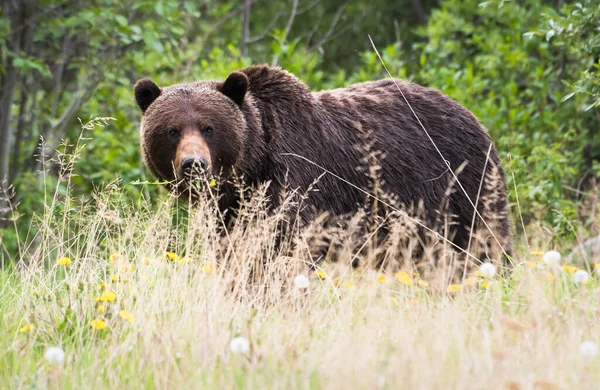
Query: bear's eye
{"points": [[208, 130], [173, 133]]}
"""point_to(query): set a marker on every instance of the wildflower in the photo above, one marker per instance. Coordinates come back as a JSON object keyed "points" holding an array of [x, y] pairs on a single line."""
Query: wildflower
{"points": [[320, 274], [488, 270], [208, 267], [550, 277], [98, 324], [36, 292], [212, 182], [126, 268], [570, 268], [471, 280], [581, 276], [63, 261], [485, 284], [54, 355], [115, 258], [102, 285], [531, 264], [26, 328], [172, 256], [240, 345], [381, 278], [597, 266], [126, 315], [404, 277], [536, 253], [101, 309], [114, 278], [422, 283], [107, 296], [552, 258], [349, 285], [394, 301], [301, 282], [588, 348], [453, 288], [182, 260]]}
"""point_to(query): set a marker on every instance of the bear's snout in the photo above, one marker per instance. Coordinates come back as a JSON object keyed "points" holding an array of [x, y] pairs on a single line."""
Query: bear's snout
{"points": [[191, 166]]}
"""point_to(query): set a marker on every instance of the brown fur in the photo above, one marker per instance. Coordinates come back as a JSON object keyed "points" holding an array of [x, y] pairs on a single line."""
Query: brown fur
{"points": [[260, 115]]}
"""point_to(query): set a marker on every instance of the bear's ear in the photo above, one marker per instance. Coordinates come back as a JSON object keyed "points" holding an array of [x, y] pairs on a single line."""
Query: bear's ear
{"points": [[145, 92], [235, 87]]}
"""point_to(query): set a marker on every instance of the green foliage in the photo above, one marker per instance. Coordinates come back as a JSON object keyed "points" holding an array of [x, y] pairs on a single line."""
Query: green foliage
{"points": [[529, 71], [481, 55]]}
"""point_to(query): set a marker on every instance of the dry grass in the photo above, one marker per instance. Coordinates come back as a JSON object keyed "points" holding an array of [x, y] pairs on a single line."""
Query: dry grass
{"points": [[352, 328], [169, 318]]}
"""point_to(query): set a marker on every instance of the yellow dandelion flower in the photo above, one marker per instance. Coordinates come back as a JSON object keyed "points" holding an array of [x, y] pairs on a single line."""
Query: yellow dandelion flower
{"points": [[404, 277], [485, 284], [107, 296], [536, 253], [471, 280], [349, 285], [126, 315], [550, 277], [63, 261], [423, 283], [596, 266], [570, 268], [453, 288], [208, 267], [126, 268], [320, 274], [114, 278], [102, 285], [101, 309], [212, 182], [172, 256], [98, 324], [115, 258], [394, 301], [26, 328], [531, 264]]}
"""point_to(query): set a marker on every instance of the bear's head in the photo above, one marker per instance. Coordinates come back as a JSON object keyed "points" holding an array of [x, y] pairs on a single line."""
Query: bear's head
{"points": [[193, 132]]}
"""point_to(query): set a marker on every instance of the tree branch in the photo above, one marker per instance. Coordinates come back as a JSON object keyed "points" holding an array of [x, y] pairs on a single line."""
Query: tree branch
{"points": [[268, 28], [288, 27], [334, 22], [245, 27]]}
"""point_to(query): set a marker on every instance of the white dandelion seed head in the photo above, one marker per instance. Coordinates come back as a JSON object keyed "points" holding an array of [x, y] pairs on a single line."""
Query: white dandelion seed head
{"points": [[301, 282], [588, 348], [54, 355], [581, 276], [552, 258], [488, 270], [239, 345]]}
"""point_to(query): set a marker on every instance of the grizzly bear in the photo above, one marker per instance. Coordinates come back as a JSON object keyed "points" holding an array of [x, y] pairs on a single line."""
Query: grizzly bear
{"points": [[265, 126]]}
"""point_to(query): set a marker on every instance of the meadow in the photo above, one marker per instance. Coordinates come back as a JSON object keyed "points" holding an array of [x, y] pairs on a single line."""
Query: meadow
{"points": [[101, 300]]}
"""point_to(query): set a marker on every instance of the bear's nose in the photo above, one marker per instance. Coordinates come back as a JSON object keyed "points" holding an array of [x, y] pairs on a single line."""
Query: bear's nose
{"points": [[191, 164]]}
